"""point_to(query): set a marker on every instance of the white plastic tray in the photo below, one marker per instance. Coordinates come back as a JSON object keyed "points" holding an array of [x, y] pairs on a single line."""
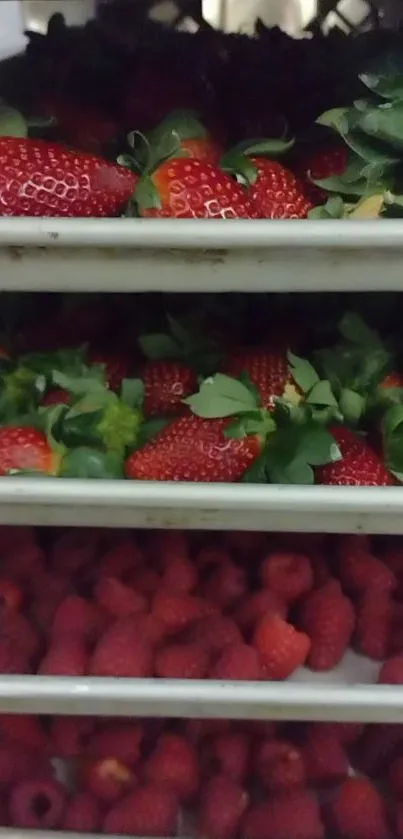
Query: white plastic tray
{"points": [[193, 256]]}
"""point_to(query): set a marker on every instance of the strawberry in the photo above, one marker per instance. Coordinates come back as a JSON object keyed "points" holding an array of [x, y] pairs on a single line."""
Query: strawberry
{"points": [[392, 380], [202, 148], [26, 449], [323, 163], [83, 128], [276, 193], [116, 366], [268, 371], [150, 810], [186, 188], [328, 618], [166, 383], [358, 810], [282, 648], [359, 466], [56, 396], [45, 179], [194, 449]]}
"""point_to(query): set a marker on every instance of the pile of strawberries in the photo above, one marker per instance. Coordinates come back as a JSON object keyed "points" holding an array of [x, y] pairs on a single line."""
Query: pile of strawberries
{"points": [[210, 778], [236, 606]]}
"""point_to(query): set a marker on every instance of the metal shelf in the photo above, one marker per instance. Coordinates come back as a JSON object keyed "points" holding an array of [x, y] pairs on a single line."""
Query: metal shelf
{"points": [[123, 255], [90, 503]]}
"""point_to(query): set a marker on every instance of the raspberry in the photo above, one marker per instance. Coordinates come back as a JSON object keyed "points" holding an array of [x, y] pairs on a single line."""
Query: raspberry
{"points": [[10, 595], [246, 543], [71, 736], [44, 606], [346, 732], [226, 585], [358, 810], [174, 765], [107, 778], [12, 659], [148, 811], [393, 558], [16, 764], [180, 575], [395, 777], [290, 815], [324, 756], [282, 648], [215, 633], [211, 557], [391, 672], [197, 730], [73, 549], [377, 748], [122, 652], [66, 657], [182, 661], [360, 571], [353, 543], [121, 559], [118, 599], [257, 606], [165, 545], [240, 661], [176, 611], [17, 629], [146, 581], [279, 765], [222, 805], [83, 814], [373, 626], [37, 805], [151, 629], [399, 819], [228, 754], [118, 739], [26, 731], [76, 616], [328, 618], [24, 564], [287, 574]]}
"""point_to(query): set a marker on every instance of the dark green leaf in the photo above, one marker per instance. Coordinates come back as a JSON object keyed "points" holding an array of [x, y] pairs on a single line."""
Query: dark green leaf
{"points": [[392, 422], [322, 394], [264, 146], [132, 392], [80, 429], [149, 430], [353, 328], [85, 462], [160, 346], [12, 123], [221, 396], [352, 405], [384, 123], [146, 195], [302, 372], [240, 165], [317, 446], [257, 473]]}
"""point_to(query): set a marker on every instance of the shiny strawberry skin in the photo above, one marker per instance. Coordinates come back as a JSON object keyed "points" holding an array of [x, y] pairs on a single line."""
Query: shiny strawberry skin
{"points": [[277, 193], [166, 383], [194, 449], [360, 465], [392, 380], [194, 189], [26, 449], [267, 370], [202, 148], [44, 179], [321, 164]]}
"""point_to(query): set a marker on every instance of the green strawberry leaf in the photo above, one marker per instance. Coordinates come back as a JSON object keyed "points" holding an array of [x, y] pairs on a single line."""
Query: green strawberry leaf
{"points": [[132, 393], [352, 405], [89, 387], [317, 446], [221, 396], [353, 328], [80, 429], [293, 451], [336, 119], [238, 164], [70, 362], [388, 396], [384, 123], [160, 346], [264, 146], [302, 371], [85, 462], [392, 422], [146, 194], [184, 125], [321, 394], [148, 430], [334, 208], [258, 472], [253, 424], [12, 123]]}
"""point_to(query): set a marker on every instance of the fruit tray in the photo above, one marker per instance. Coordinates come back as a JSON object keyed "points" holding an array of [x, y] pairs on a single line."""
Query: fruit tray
{"points": [[199, 255]]}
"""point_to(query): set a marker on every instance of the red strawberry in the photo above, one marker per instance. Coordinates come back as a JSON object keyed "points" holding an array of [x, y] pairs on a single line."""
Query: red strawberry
{"points": [[328, 618], [392, 380], [186, 188], [358, 810], [268, 371], [277, 193], [83, 128], [166, 383], [282, 648], [26, 449], [222, 805], [174, 764], [45, 179], [202, 148], [288, 575], [194, 449], [116, 366], [56, 396], [288, 815], [326, 162], [359, 466], [279, 765]]}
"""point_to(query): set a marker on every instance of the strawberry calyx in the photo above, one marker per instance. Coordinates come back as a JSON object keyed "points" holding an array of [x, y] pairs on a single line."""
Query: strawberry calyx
{"points": [[392, 440], [184, 344], [368, 207], [237, 160]]}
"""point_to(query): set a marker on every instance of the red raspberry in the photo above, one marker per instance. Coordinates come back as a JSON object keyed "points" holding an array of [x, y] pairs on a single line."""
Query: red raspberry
{"points": [[148, 811], [240, 661], [180, 575], [282, 648], [10, 595], [73, 549], [378, 747], [146, 581], [182, 661], [324, 756], [228, 754], [76, 616], [107, 778], [360, 571], [37, 805], [151, 629], [373, 626], [83, 814], [346, 732], [121, 652], [358, 811], [12, 659], [393, 558], [353, 543], [197, 730], [71, 736], [246, 543], [395, 777], [391, 672], [165, 545], [212, 556], [226, 585], [257, 606], [279, 765], [328, 618], [26, 731], [121, 559], [17, 629], [177, 611], [289, 575], [24, 564], [215, 633], [320, 568], [66, 657], [174, 764], [121, 740], [290, 815], [16, 764], [222, 805], [399, 819], [118, 599]]}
